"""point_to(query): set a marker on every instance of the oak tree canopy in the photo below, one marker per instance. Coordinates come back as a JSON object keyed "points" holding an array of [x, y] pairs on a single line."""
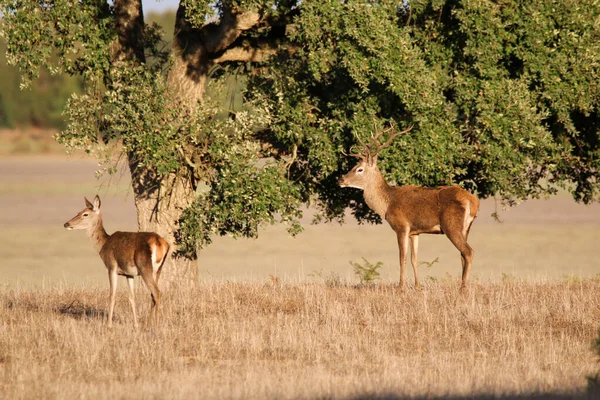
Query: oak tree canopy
{"points": [[251, 114]]}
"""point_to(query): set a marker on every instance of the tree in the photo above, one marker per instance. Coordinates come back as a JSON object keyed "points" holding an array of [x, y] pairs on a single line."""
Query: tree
{"points": [[253, 113], [39, 106]]}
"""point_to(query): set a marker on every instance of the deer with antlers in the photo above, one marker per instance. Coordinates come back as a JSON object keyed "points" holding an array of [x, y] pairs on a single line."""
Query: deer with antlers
{"points": [[412, 210], [124, 253]]}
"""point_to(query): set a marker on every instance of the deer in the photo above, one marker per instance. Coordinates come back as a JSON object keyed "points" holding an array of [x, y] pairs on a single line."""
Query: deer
{"points": [[412, 210], [124, 253]]}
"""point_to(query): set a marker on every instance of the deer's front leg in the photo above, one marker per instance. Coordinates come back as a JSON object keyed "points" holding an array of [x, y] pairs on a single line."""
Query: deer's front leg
{"points": [[414, 249], [112, 280], [403, 249]]}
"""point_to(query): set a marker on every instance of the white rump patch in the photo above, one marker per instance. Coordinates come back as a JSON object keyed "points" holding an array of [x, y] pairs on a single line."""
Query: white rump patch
{"points": [[468, 218], [155, 265]]}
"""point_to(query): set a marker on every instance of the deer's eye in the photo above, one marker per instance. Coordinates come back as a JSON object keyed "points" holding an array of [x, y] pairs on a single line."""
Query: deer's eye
{"points": [[360, 170], [85, 214]]}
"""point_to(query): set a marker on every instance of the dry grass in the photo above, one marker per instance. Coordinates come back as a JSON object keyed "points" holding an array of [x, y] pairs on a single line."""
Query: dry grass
{"points": [[514, 338], [304, 340], [29, 141]]}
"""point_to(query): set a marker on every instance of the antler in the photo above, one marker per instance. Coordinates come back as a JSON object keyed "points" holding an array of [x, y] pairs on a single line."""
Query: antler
{"points": [[371, 150], [358, 154], [375, 139]]}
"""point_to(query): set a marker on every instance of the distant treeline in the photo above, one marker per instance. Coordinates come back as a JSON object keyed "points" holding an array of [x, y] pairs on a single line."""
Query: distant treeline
{"points": [[42, 104]]}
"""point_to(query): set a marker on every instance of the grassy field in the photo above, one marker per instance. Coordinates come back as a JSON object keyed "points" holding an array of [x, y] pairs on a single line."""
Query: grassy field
{"points": [[282, 317], [512, 339]]}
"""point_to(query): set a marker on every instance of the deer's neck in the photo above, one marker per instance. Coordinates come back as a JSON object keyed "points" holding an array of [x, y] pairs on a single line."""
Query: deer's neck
{"points": [[377, 195], [97, 234]]}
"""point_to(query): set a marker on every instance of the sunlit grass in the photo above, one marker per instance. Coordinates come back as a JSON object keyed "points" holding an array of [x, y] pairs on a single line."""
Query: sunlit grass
{"points": [[303, 340]]}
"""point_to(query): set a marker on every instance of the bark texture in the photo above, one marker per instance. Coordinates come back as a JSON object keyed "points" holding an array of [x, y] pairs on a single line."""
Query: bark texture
{"points": [[197, 50], [129, 24], [159, 201]]}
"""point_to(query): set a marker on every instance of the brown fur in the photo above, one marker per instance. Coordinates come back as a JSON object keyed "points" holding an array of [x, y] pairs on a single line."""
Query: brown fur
{"points": [[422, 208], [124, 253], [412, 210], [131, 250]]}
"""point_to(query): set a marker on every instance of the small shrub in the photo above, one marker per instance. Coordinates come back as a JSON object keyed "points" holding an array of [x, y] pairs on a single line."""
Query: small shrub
{"points": [[367, 272], [333, 279], [430, 264]]}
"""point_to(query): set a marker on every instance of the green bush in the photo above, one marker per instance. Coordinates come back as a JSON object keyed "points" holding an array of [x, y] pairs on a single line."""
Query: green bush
{"points": [[367, 272]]}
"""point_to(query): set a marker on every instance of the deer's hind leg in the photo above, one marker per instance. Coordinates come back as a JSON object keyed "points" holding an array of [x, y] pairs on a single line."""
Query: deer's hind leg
{"points": [[155, 296], [456, 224], [143, 260]]}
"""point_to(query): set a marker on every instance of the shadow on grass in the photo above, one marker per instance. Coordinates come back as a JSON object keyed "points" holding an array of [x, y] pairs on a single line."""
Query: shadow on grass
{"points": [[78, 310], [592, 395]]}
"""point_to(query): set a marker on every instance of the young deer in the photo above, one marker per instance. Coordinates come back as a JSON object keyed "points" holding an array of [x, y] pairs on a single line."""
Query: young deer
{"points": [[124, 253], [412, 210]]}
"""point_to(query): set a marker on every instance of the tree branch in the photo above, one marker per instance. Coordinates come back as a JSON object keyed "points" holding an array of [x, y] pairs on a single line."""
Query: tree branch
{"points": [[218, 37], [246, 54], [129, 24], [197, 49]]}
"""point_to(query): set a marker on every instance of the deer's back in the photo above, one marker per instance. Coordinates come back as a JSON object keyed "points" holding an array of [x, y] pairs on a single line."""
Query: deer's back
{"points": [[422, 208], [131, 250]]}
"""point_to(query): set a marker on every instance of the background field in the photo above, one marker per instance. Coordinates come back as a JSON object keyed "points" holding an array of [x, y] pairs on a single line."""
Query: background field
{"points": [[282, 317], [553, 238]]}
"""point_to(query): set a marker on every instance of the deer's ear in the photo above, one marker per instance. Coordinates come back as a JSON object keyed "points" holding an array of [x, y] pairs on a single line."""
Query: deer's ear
{"points": [[96, 203], [88, 204]]}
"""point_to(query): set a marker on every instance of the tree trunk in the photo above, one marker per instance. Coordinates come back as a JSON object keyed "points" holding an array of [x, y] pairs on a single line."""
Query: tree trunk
{"points": [[159, 201], [196, 50], [187, 77]]}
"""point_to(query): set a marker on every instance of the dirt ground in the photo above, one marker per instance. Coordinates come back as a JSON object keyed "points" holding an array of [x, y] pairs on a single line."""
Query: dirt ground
{"points": [[539, 239]]}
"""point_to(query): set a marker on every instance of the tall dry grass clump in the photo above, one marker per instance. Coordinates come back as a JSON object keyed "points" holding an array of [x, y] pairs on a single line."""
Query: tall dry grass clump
{"points": [[304, 340]]}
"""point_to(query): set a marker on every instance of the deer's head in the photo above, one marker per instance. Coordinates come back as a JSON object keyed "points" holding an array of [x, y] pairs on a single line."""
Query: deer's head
{"points": [[366, 170], [87, 217]]}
